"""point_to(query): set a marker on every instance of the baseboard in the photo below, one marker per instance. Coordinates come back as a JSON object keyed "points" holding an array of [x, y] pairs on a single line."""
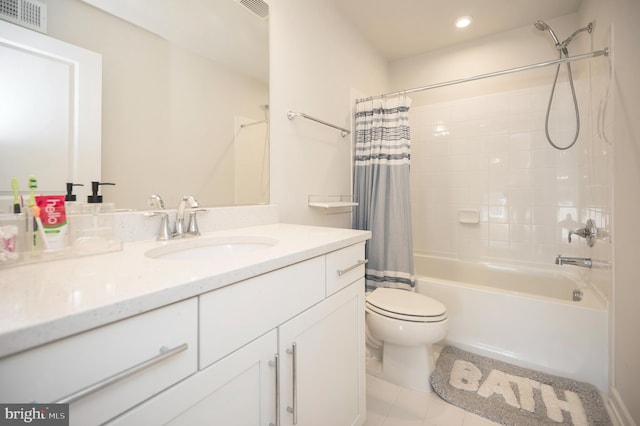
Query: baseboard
{"points": [[618, 410]]}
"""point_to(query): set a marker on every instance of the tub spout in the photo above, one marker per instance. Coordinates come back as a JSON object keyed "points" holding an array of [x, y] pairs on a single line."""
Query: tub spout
{"points": [[584, 262]]}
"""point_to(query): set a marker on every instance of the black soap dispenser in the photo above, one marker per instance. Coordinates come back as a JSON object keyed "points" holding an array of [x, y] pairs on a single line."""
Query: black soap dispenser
{"points": [[71, 197], [94, 197]]}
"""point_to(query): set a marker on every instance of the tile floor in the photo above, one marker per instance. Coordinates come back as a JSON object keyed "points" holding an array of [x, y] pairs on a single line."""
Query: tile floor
{"points": [[392, 405]]}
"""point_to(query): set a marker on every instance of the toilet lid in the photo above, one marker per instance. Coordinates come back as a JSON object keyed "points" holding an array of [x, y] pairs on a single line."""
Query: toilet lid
{"points": [[405, 303]]}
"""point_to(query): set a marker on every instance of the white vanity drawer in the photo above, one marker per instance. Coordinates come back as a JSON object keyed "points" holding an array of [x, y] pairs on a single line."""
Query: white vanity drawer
{"points": [[234, 315], [344, 266], [129, 350]]}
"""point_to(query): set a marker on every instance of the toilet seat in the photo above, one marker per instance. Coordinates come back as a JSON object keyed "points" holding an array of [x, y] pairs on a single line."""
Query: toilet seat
{"points": [[405, 305]]}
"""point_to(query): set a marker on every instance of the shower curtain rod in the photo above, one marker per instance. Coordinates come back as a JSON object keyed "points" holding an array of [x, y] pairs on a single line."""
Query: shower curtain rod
{"points": [[242, 126], [603, 52]]}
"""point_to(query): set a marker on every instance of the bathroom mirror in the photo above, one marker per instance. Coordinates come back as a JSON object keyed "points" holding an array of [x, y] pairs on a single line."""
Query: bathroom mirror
{"points": [[50, 102], [184, 97]]}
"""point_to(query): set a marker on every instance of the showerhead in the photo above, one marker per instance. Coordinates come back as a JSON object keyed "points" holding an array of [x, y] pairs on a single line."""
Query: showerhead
{"points": [[543, 26]]}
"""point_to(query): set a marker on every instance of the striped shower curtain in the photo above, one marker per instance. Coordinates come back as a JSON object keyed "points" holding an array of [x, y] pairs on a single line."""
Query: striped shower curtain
{"points": [[381, 187]]}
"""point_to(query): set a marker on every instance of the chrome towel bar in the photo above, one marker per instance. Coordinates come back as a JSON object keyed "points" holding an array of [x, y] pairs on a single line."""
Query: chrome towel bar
{"points": [[291, 115]]}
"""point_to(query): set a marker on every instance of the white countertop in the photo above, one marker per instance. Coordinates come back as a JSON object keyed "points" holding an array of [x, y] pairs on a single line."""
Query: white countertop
{"points": [[43, 302]]}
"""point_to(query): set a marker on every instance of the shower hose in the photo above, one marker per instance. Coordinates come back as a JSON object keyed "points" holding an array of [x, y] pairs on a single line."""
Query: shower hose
{"points": [[575, 106]]}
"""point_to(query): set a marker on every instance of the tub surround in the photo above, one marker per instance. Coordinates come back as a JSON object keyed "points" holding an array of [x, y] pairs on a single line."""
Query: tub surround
{"points": [[48, 301]]}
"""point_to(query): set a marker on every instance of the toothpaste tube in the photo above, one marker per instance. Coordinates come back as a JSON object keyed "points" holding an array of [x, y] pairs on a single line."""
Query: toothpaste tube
{"points": [[54, 220]]}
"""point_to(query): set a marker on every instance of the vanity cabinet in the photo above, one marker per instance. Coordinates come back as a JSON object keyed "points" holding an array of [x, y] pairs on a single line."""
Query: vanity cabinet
{"points": [[315, 376], [303, 365], [282, 348]]}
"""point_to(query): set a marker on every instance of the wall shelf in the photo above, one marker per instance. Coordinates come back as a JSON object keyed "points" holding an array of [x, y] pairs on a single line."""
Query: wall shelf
{"points": [[332, 204]]}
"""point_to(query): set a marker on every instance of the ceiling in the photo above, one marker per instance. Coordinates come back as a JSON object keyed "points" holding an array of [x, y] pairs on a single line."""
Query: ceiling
{"points": [[401, 28]]}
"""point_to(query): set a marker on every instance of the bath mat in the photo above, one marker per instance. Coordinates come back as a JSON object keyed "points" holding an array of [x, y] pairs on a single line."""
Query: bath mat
{"points": [[512, 395]]}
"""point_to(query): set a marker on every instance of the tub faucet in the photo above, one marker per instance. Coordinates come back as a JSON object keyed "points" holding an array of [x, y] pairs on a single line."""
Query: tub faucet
{"points": [[178, 228], [584, 262]]}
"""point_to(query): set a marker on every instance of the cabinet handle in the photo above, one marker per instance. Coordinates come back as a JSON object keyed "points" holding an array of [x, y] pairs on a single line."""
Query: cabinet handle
{"points": [[164, 354], [352, 267], [294, 410], [276, 364]]}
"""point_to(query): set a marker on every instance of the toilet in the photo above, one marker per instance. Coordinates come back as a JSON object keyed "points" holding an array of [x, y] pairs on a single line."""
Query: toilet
{"points": [[404, 325]]}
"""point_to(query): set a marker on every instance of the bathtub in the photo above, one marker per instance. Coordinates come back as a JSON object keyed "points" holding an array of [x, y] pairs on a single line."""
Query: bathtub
{"points": [[523, 315]]}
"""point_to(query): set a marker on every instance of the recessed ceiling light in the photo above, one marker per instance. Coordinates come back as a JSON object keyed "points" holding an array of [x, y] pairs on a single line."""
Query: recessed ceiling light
{"points": [[463, 21]]}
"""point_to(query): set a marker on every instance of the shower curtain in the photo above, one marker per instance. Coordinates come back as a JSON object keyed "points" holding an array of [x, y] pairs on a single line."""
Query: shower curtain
{"points": [[381, 187]]}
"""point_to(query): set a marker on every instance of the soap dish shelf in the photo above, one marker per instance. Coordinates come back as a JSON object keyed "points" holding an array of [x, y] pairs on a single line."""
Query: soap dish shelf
{"points": [[332, 204]]}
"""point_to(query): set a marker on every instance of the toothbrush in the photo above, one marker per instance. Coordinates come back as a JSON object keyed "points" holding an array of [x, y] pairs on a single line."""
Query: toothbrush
{"points": [[33, 184], [38, 228], [16, 198]]}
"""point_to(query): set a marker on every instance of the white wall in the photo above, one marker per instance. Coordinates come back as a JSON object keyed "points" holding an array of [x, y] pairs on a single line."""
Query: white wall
{"points": [[317, 60], [621, 17]]}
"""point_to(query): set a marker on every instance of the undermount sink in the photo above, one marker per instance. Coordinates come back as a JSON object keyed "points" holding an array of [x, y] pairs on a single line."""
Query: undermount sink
{"points": [[210, 248]]}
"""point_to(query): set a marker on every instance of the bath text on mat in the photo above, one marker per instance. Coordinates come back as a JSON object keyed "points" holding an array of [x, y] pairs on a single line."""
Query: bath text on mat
{"points": [[466, 376]]}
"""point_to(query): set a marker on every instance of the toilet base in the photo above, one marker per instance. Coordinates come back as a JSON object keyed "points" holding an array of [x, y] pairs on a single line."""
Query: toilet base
{"points": [[408, 366]]}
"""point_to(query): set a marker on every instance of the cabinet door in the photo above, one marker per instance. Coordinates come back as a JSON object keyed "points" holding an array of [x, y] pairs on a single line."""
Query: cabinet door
{"points": [[238, 390], [328, 387]]}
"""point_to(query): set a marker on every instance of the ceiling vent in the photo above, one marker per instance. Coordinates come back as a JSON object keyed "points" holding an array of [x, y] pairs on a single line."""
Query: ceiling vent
{"points": [[258, 7], [27, 13]]}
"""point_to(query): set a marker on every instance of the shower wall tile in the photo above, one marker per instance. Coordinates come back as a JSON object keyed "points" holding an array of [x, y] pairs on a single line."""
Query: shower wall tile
{"points": [[490, 153], [520, 141]]}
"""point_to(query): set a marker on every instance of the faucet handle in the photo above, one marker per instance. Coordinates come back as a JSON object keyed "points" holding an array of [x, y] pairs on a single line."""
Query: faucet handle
{"points": [[163, 233], [589, 232], [192, 227], [155, 201]]}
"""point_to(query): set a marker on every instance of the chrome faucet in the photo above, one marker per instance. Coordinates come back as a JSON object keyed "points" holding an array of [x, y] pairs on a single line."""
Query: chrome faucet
{"points": [[178, 226], [187, 205], [584, 262]]}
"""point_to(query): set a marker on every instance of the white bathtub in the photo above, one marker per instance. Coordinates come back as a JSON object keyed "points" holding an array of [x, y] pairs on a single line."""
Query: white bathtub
{"points": [[521, 315]]}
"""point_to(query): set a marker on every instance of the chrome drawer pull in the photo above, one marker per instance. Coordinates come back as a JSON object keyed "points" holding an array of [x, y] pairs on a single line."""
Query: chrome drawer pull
{"points": [[276, 364], [352, 267], [164, 354], [294, 410]]}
